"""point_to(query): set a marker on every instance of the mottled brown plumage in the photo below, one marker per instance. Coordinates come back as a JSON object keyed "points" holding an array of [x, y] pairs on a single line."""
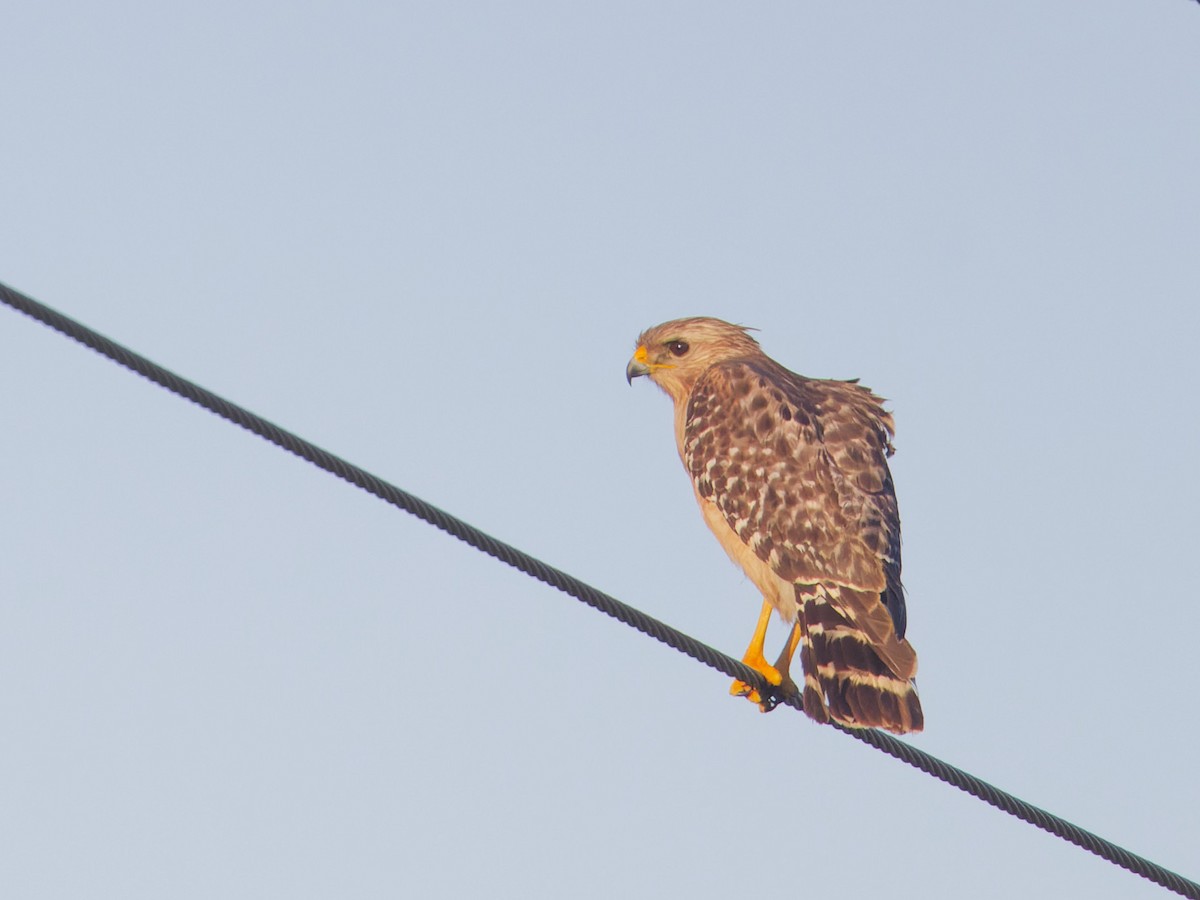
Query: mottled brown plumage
{"points": [[791, 475]]}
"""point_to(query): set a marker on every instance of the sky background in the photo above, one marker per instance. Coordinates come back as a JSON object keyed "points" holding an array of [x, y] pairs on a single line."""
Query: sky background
{"points": [[425, 236]]}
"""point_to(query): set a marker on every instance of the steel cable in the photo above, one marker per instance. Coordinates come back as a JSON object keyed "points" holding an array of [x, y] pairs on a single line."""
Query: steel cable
{"points": [[597, 599]]}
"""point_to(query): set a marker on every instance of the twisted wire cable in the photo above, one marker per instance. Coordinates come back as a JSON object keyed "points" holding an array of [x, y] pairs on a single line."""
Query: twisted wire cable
{"points": [[594, 598]]}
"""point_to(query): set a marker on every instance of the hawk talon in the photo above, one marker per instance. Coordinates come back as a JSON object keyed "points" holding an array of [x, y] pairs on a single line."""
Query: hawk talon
{"points": [[765, 704]]}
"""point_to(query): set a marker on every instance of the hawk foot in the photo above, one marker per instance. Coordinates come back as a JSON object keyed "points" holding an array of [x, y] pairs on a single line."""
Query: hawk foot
{"points": [[775, 676], [773, 698]]}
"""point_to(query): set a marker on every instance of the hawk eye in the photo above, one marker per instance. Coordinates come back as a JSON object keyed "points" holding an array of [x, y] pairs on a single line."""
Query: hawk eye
{"points": [[677, 348]]}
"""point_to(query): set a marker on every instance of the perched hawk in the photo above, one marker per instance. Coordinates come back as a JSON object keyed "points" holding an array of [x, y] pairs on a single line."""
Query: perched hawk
{"points": [[791, 475]]}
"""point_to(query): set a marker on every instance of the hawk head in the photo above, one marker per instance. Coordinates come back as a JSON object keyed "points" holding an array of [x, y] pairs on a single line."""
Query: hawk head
{"points": [[674, 354]]}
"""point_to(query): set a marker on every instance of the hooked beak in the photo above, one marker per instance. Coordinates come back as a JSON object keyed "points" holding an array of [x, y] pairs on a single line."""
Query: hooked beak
{"points": [[637, 366]]}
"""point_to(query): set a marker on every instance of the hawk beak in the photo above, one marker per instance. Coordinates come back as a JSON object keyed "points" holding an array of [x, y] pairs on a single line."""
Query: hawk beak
{"points": [[637, 366]]}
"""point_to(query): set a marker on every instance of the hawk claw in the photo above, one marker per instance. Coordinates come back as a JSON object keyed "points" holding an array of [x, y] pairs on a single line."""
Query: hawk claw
{"points": [[765, 704]]}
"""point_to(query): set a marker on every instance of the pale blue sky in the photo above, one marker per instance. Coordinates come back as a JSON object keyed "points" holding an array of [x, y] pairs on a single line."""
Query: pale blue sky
{"points": [[425, 237]]}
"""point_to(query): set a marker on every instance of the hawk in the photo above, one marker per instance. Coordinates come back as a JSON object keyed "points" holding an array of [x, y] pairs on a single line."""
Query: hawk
{"points": [[791, 476]]}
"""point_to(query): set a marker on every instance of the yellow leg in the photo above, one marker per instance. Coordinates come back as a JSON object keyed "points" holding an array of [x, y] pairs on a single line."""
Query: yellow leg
{"points": [[754, 659], [784, 663]]}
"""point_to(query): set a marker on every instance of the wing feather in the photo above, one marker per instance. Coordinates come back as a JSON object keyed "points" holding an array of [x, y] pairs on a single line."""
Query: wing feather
{"points": [[798, 468]]}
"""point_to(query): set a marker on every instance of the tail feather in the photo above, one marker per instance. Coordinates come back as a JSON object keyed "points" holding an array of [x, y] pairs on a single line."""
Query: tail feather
{"points": [[857, 674], [814, 695]]}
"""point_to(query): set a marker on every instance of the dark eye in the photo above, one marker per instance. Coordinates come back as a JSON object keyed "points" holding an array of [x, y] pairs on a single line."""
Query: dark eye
{"points": [[677, 348]]}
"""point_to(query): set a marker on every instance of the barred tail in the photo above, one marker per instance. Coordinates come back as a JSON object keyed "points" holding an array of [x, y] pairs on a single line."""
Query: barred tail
{"points": [[856, 671]]}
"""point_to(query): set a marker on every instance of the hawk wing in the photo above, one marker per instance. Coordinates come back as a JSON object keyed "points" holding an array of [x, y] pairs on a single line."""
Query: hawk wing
{"points": [[798, 469]]}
